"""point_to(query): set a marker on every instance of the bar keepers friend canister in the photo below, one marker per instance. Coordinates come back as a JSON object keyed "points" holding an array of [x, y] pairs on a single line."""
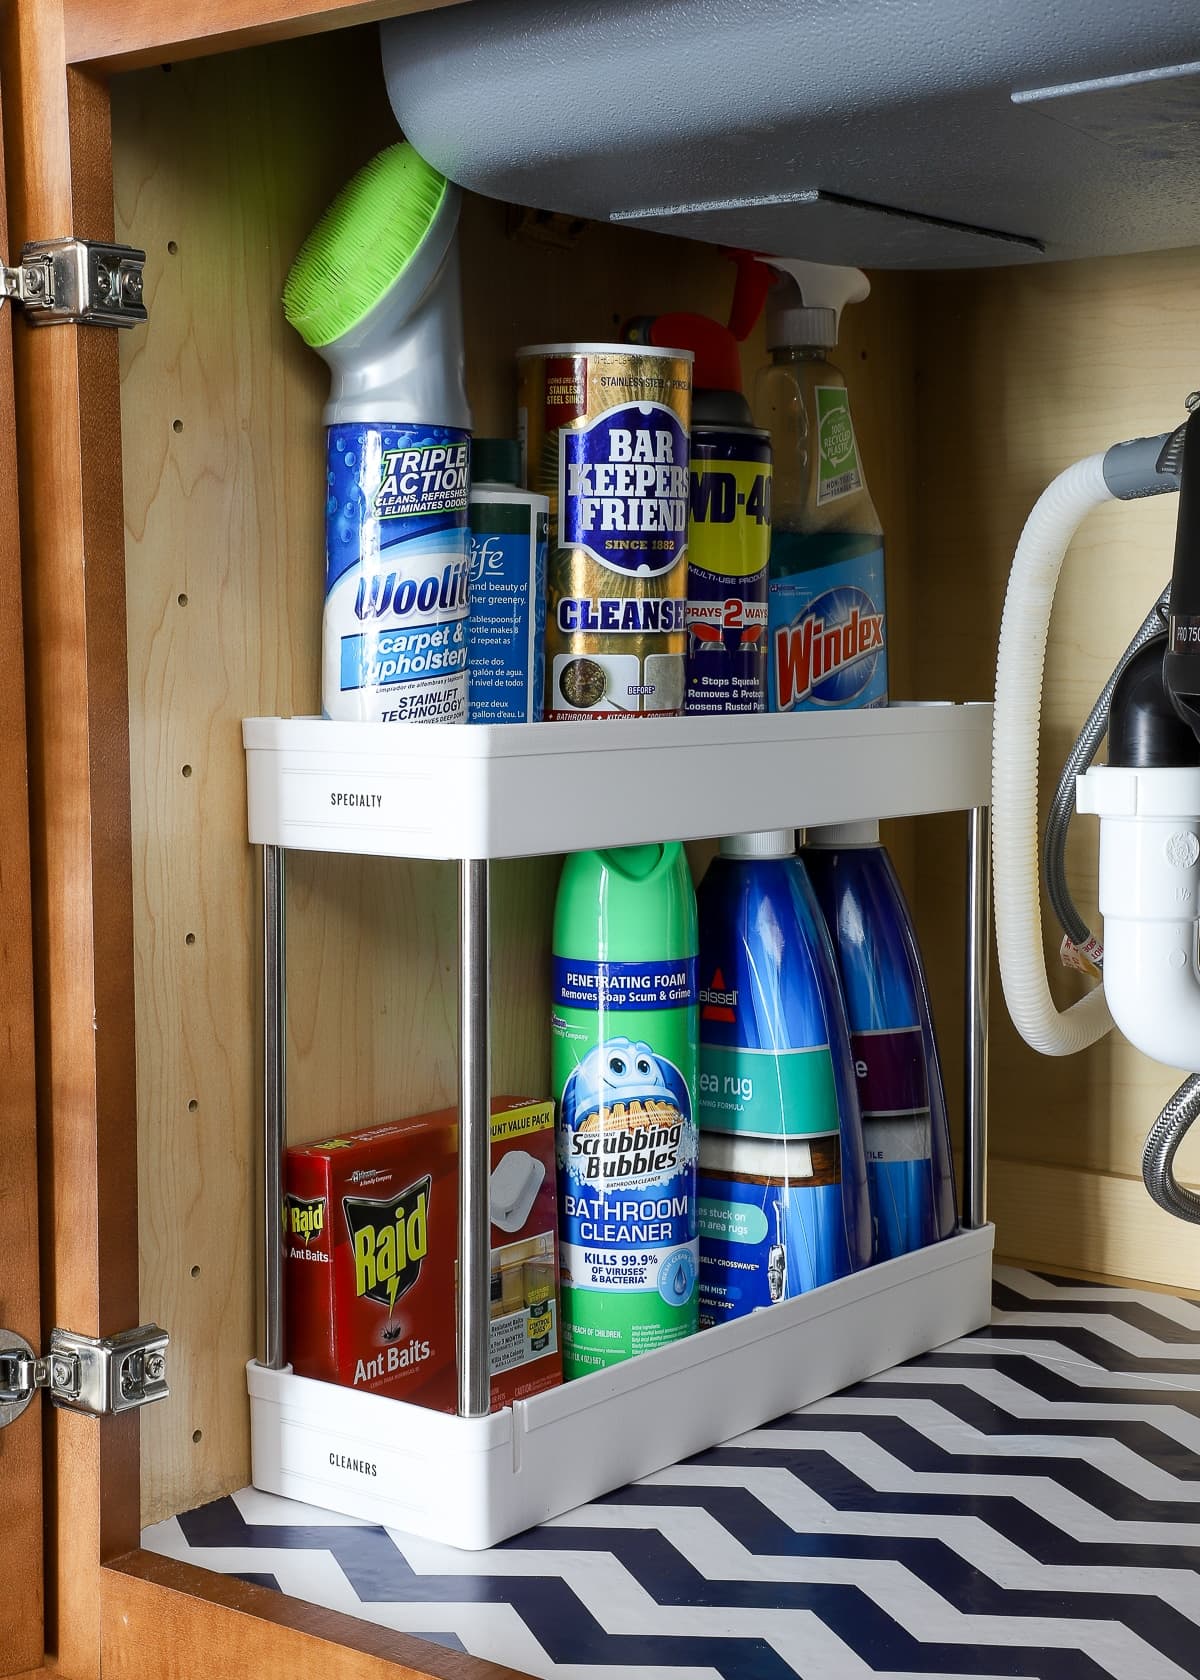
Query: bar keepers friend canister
{"points": [[604, 430]]}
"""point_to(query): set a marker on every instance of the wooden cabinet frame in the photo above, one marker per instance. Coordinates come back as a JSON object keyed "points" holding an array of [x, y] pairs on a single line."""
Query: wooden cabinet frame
{"points": [[110, 1608]]}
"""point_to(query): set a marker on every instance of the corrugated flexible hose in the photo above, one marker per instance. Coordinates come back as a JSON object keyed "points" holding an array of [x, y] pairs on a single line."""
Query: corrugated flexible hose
{"points": [[1015, 839]]}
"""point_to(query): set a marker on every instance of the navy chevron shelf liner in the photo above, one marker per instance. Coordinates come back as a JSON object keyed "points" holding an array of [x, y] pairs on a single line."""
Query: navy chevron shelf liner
{"points": [[1024, 1502]]}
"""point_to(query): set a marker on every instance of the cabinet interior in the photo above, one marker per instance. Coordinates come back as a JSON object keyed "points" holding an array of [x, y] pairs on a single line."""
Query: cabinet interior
{"points": [[969, 390]]}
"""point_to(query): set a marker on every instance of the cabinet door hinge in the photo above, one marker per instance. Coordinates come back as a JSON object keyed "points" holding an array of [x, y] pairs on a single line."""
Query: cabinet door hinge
{"points": [[80, 280], [97, 1375]]}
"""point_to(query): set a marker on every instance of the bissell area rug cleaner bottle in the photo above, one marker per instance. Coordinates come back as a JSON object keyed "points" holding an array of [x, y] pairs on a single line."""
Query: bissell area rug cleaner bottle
{"points": [[623, 1062], [783, 1195]]}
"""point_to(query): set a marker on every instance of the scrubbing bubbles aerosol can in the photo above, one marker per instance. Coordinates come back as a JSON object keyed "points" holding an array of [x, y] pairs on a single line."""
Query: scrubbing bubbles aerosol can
{"points": [[624, 1063], [375, 291], [826, 619]]}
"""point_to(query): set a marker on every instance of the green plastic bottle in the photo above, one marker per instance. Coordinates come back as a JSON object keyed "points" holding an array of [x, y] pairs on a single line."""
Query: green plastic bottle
{"points": [[624, 1062]]}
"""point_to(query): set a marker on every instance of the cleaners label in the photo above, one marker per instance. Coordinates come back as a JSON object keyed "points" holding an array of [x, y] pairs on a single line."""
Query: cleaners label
{"points": [[626, 1156], [826, 624], [397, 574], [728, 553]]}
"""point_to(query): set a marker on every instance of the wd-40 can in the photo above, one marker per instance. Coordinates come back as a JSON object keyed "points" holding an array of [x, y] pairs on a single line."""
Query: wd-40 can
{"points": [[604, 429], [397, 574], [728, 556]]}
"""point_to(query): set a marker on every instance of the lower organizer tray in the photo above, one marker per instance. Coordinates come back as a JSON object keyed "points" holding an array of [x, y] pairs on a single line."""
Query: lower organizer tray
{"points": [[474, 1481]]}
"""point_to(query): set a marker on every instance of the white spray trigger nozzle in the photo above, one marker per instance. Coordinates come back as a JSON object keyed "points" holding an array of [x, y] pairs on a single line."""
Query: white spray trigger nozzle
{"points": [[813, 313]]}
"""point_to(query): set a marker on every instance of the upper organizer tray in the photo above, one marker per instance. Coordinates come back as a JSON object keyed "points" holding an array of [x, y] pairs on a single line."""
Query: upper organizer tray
{"points": [[934, 134], [520, 789]]}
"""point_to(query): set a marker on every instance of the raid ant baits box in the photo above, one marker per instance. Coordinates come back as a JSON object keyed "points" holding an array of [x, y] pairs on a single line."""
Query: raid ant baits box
{"points": [[371, 1226]]}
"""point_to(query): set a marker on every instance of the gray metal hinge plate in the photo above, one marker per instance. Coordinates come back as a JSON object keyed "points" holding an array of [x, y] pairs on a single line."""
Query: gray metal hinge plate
{"points": [[97, 1375], [77, 280]]}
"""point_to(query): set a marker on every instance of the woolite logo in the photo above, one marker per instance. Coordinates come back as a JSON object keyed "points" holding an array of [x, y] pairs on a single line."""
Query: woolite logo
{"points": [[623, 489], [830, 652], [304, 1220], [390, 1240]]}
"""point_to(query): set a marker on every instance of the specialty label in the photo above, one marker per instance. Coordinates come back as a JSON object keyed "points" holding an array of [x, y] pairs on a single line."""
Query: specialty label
{"points": [[838, 470], [627, 1145], [506, 628], [728, 554], [397, 574], [827, 642]]}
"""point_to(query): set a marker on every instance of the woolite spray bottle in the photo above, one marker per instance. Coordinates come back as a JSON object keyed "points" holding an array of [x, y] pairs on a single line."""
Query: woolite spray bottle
{"points": [[623, 1062], [375, 292]]}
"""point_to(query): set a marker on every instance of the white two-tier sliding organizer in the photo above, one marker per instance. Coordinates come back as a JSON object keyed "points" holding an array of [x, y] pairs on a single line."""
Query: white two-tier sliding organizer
{"points": [[481, 792]]}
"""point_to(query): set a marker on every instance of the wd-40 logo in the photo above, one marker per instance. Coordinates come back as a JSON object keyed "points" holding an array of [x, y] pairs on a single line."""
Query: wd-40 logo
{"points": [[390, 1241], [304, 1220], [830, 653], [717, 1003]]}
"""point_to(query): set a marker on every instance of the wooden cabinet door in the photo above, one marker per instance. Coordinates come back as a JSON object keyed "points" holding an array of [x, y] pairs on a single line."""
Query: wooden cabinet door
{"points": [[21, 1631], [111, 1610]]}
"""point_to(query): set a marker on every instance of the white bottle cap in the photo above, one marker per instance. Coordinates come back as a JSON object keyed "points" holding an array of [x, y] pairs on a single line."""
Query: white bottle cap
{"points": [[808, 313], [845, 834], [768, 843]]}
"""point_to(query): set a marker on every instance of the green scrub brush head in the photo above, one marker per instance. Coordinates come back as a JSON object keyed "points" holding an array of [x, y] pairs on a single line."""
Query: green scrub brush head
{"points": [[362, 244]]}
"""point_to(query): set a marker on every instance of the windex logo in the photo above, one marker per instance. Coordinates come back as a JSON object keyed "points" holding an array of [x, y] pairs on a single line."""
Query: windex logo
{"points": [[830, 653]]}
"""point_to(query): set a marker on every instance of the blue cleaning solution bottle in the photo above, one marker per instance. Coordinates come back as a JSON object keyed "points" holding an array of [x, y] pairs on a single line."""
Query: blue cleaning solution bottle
{"points": [[783, 1203], [901, 1094]]}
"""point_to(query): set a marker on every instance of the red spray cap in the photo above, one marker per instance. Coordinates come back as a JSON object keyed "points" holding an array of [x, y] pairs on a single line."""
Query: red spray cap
{"points": [[718, 366], [750, 289]]}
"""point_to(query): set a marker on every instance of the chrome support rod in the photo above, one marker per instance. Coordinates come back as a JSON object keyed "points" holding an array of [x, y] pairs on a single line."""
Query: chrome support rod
{"points": [[975, 1069], [272, 1353], [474, 1140]]}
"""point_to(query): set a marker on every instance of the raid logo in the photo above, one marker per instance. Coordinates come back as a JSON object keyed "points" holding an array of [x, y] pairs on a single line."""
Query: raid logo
{"points": [[390, 1240], [304, 1220]]}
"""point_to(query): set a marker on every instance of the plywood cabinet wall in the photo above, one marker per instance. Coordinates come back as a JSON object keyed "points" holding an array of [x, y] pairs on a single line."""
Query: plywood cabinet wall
{"points": [[1021, 372], [969, 391]]}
